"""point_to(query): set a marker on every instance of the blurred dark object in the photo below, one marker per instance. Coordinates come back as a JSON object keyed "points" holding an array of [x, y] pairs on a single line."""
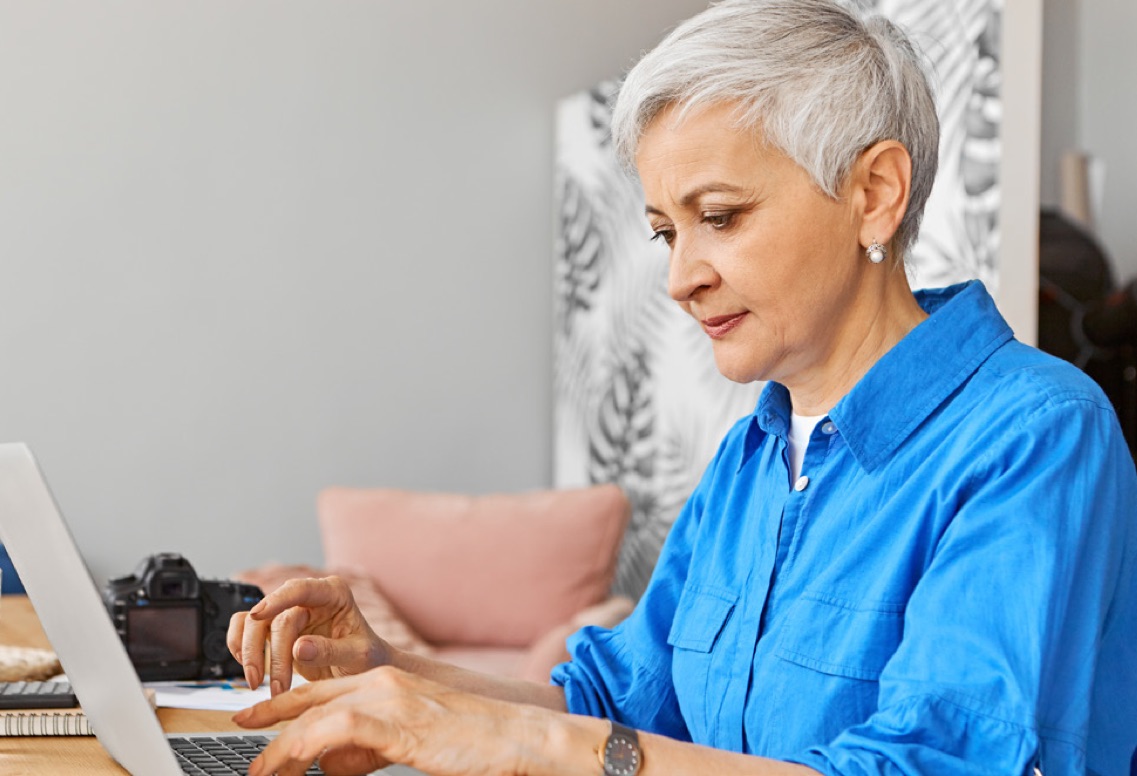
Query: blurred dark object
{"points": [[1113, 322], [172, 622], [1084, 317], [9, 580]]}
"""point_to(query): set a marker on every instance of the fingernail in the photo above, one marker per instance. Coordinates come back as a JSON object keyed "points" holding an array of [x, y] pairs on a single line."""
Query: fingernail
{"points": [[277, 687], [241, 716], [253, 678], [306, 650], [258, 608]]}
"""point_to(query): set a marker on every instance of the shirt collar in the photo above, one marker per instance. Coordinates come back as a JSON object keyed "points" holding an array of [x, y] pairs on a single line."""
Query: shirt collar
{"points": [[900, 391]]}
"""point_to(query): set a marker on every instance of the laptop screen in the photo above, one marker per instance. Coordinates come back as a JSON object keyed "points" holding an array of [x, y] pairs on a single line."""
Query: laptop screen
{"points": [[71, 611]]}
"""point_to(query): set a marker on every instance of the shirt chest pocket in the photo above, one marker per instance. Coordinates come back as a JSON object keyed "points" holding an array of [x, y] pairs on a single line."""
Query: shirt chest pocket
{"points": [[841, 638], [698, 646]]}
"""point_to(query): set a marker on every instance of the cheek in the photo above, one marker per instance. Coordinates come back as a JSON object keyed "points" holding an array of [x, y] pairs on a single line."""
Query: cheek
{"points": [[807, 259], [758, 270]]}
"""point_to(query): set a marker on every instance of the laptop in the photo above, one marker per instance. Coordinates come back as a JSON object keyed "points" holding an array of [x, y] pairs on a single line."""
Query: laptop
{"points": [[69, 607]]}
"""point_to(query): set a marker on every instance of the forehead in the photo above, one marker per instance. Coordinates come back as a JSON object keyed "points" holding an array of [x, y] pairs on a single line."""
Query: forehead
{"points": [[700, 128], [704, 145]]}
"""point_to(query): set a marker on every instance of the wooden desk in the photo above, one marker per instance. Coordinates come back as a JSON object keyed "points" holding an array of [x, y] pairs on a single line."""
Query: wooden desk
{"points": [[19, 626]]}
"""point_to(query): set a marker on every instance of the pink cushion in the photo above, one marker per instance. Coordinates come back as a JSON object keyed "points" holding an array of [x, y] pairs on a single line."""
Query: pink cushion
{"points": [[495, 570], [550, 650]]}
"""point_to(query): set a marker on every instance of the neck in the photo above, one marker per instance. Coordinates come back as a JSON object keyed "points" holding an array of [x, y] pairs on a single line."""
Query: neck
{"points": [[878, 319]]}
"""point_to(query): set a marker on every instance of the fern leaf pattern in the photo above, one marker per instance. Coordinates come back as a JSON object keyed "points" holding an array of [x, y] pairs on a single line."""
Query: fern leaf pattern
{"points": [[959, 238], [579, 254]]}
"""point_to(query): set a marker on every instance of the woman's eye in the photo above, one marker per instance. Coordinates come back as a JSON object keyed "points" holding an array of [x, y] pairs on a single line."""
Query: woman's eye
{"points": [[667, 235], [718, 220]]}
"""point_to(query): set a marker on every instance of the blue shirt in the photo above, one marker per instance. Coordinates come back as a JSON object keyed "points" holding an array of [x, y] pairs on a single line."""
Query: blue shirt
{"points": [[949, 589]]}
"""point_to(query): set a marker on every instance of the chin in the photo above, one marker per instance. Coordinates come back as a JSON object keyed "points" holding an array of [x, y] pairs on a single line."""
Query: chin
{"points": [[748, 360], [737, 372]]}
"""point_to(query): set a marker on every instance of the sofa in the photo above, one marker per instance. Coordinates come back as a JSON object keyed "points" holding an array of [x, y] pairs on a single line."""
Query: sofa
{"points": [[495, 583]]}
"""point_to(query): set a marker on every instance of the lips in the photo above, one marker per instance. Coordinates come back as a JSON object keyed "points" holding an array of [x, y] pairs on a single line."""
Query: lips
{"points": [[720, 325]]}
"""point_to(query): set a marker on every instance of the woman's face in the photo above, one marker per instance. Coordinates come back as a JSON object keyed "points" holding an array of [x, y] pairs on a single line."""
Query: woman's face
{"points": [[768, 264]]}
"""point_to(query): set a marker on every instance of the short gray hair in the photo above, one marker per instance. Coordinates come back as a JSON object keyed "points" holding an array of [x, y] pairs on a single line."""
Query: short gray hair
{"points": [[819, 81]]}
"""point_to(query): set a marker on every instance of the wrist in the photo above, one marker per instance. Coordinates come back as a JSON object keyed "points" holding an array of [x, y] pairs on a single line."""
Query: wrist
{"points": [[377, 651], [380, 653], [570, 745]]}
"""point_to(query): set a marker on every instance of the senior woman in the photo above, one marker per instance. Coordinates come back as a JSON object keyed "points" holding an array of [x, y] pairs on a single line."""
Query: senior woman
{"points": [[916, 556]]}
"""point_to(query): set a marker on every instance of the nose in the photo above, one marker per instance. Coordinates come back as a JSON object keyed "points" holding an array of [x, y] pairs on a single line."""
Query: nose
{"points": [[688, 273]]}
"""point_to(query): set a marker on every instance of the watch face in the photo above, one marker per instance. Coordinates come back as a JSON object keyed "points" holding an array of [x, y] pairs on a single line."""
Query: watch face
{"points": [[621, 756]]}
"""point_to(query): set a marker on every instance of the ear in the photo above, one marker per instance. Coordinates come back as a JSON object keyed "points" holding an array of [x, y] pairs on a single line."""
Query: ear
{"points": [[883, 179]]}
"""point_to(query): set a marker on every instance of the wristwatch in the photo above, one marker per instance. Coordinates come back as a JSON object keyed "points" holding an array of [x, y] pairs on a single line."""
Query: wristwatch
{"points": [[621, 755]]}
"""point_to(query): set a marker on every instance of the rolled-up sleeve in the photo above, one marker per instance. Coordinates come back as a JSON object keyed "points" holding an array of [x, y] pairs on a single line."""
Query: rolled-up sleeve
{"points": [[625, 673], [994, 669]]}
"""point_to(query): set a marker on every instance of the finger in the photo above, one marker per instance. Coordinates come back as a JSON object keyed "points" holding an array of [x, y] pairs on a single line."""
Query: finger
{"points": [[352, 654], [278, 760], [284, 629], [322, 728], [233, 636], [348, 760], [291, 704], [312, 593], [253, 651]]}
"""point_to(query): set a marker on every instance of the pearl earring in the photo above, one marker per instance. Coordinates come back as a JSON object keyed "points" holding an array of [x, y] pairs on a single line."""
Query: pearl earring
{"points": [[876, 252]]}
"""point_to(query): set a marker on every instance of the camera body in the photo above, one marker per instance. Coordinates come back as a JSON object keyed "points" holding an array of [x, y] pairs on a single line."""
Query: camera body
{"points": [[172, 623]]}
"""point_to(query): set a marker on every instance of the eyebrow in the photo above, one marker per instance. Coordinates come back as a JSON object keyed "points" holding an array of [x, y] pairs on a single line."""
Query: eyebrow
{"points": [[698, 191]]}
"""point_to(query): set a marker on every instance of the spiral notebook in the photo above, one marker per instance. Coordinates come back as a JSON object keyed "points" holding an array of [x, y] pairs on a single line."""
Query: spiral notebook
{"points": [[45, 723], [52, 722]]}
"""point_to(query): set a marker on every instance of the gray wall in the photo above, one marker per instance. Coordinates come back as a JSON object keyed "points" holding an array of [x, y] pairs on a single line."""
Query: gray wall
{"points": [[1090, 103], [253, 249], [1107, 118]]}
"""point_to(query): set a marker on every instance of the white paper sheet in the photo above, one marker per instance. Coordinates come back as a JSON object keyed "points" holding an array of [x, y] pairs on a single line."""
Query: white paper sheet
{"points": [[230, 695]]}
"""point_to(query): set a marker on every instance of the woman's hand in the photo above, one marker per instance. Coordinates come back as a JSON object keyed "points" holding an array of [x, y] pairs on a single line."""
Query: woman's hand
{"points": [[357, 724], [311, 626]]}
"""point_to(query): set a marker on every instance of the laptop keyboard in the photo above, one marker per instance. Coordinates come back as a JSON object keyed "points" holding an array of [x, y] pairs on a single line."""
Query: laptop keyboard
{"points": [[36, 695], [221, 755]]}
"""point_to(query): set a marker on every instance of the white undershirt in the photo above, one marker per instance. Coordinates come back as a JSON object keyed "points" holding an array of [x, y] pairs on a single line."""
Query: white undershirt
{"points": [[801, 428]]}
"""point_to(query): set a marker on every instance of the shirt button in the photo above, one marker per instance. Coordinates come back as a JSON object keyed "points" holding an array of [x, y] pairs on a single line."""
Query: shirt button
{"points": [[801, 484], [828, 427]]}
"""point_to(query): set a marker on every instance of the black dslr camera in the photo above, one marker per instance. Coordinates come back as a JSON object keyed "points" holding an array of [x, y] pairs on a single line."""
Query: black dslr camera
{"points": [[172, 623]]}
